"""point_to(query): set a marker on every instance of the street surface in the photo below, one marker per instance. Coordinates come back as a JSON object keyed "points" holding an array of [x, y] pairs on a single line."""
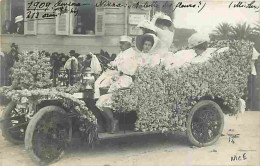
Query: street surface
{"points": [[158, 149]]}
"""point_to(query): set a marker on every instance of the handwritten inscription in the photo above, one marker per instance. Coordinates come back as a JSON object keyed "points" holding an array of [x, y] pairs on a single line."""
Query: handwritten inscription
{"points": [[51, 10], [232, 137], [198, 5], [247, 5], [153, 4], [239, 157], [38, 6]]}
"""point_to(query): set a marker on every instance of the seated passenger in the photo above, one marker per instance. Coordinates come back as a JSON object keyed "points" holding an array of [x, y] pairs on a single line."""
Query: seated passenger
{"points": [[146, 45], [198, 52], [199, 43], [178, 59], [161, 26]]}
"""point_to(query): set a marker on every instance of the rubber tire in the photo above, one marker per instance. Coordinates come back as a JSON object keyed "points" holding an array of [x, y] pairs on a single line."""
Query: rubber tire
{"points": [[6, 115], [189, 120], [30, 131]]}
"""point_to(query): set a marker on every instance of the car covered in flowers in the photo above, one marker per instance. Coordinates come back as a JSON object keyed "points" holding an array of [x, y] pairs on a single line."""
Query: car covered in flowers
{"points": [[191, 99]]}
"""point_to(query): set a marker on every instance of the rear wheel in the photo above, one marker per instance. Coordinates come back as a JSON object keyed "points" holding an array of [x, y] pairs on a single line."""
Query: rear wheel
{"points": [[48, 134], [205, 123], [14, 123]]}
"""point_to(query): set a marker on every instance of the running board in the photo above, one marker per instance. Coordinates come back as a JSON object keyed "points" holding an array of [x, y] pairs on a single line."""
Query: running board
{"points": [[122, 134]]}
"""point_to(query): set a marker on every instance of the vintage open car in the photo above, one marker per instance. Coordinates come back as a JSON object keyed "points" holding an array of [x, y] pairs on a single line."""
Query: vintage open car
{"points": [[46, 119]]}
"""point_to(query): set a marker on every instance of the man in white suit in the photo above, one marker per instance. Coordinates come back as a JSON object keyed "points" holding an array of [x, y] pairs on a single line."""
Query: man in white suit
{"points": [[126, 65]]}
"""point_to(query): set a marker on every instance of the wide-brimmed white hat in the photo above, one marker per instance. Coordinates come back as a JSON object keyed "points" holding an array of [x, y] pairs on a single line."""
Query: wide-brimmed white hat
{"points": [[18, 19], [197, 39], [146, 24], [161, 15], [139, 41], [125, 39]]}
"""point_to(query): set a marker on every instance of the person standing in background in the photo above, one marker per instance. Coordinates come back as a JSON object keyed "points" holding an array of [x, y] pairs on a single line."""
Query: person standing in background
{"points": [[253, 87], [72, 67], [7, 27], [3, 67], [20, 25]]}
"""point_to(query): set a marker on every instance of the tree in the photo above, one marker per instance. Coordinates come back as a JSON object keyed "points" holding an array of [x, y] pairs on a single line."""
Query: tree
{"points": [[256, 29], [242, 31], [222, 32]]}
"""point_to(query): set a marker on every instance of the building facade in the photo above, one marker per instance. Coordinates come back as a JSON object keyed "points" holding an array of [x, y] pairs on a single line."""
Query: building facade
{"points": [[96, 25]]}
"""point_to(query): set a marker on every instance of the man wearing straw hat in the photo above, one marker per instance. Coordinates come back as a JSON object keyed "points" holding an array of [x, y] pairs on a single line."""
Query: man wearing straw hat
{"points": [[126, 65], [19, 22]]}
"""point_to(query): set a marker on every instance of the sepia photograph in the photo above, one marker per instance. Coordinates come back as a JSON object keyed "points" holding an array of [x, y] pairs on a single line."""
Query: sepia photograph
{"points": [[130, 82]]}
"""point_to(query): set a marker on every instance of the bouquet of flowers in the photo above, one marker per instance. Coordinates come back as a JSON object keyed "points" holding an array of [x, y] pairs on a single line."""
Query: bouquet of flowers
{"points": [[31, 71]]}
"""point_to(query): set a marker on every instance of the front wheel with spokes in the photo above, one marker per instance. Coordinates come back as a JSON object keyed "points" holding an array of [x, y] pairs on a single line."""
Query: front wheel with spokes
{"points": [[205, 123], [48, 134]]}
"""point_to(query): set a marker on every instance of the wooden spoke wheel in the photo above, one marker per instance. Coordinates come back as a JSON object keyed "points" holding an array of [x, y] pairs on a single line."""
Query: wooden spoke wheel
{"points": [[14, 123], [205, 123], [48, 134]]}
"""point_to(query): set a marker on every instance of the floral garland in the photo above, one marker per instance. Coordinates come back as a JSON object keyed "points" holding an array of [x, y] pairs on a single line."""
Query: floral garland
{"points": [[30, 86], [88, 122], [163, 98], [23, 97]]}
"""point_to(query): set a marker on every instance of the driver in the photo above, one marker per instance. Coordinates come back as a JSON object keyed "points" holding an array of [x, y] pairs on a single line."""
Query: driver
{"points": [[126, 65]]}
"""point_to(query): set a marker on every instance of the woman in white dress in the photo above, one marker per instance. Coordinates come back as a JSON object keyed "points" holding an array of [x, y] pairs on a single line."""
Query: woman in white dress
{"points": [[164, 29], [198, 52], [146, 46], [161, 26]]}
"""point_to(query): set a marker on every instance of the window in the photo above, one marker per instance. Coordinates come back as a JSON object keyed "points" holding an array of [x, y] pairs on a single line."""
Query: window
{"points": [[84, 22], [13, 9], [14, 18], [17, 9], [88, 21]]}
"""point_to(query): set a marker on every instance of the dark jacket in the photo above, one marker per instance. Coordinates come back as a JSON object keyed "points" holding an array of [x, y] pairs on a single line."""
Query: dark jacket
{"points": [[20, 30]]}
